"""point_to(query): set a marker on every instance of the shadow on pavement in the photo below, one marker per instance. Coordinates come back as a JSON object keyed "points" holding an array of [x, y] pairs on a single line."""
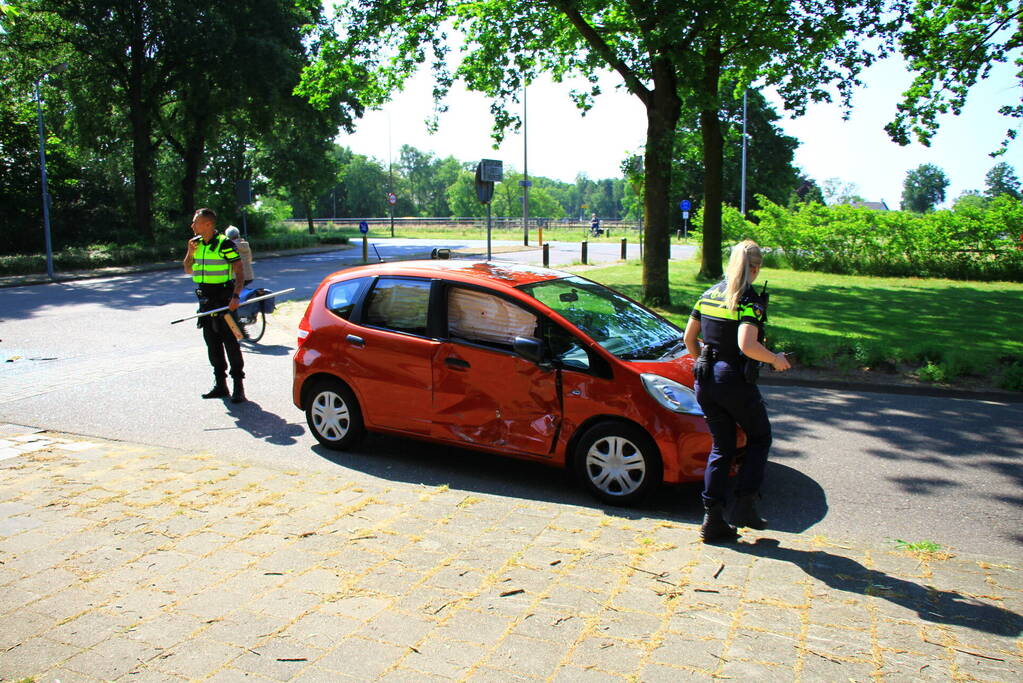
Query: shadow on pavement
{"points": [[793, 502], [267, 426], [267, 349], [846, 574]]}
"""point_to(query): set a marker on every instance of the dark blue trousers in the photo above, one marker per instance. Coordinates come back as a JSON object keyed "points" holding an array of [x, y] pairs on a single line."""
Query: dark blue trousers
{"points": [[726, 399]]}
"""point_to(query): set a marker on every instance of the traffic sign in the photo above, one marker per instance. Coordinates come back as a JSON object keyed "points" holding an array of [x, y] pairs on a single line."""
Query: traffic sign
{"points": [[392, 198], [491, 170], [685, 205], [363, 227], [685, 215], [526, 183]]}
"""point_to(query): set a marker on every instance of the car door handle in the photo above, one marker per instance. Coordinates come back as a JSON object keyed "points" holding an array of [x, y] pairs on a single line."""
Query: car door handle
{"points": [[355, 341], [456, 363]]}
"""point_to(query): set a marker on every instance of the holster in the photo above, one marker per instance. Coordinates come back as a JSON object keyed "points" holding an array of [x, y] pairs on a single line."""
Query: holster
{"points": [[751, 370]]}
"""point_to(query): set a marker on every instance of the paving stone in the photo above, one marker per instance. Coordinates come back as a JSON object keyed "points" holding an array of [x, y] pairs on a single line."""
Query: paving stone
{"points": [[472, 626], [322, 630], [817, 668], [446, 658], [89, 629], [283, 603], [661, 673], [113, 658], [362, 659], [31, 656], [397, 628], [195, 658], [528, 656], [691, 650], [361, 607], [165, 629], [765, 648], [280, 659], [771, 618], [608, 655], [243, 628]]}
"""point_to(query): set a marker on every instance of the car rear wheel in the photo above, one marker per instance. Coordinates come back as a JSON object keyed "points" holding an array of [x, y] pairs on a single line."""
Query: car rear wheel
{"points": [[333, 415], [618, 462]]}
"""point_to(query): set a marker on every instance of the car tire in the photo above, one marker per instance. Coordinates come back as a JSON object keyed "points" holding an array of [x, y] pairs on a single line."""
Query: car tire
{"points": [[333, 415], [618, 462]]}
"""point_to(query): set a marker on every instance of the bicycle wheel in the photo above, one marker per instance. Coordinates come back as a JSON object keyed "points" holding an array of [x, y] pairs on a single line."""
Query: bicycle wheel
{"points": [[255, 326]]}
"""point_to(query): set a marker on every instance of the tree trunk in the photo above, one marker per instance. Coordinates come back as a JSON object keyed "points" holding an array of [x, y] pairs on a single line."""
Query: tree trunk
{"points": [[713, 164], [663, 110], [190, 181], [309, 215], [141, 116]]}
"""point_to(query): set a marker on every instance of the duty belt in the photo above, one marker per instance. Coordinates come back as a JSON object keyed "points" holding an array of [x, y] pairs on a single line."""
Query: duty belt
{"points": [[713, 354]]}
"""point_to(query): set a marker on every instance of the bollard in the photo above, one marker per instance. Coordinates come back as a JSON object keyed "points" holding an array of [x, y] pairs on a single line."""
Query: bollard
{"points": [[365, 249], [546, 256], [539, 238], [585, 245], [625, 248]]}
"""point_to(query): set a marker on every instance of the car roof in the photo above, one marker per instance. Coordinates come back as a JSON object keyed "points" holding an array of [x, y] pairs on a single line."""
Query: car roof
{"points": [[497, 275]]}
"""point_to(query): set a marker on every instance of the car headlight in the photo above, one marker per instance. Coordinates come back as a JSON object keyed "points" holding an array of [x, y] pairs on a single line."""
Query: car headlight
{"points": [[676, 397]]}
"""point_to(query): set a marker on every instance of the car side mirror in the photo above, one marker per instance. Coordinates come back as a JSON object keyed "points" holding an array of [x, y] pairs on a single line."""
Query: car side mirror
{"points": [[530, 349]]}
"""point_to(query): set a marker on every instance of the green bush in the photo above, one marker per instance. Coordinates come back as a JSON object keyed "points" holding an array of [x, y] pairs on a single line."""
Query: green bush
{"points": [[973, 241], [1012, 377]]}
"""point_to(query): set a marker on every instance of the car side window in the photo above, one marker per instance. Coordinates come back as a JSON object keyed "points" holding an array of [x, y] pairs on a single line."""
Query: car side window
{"points": [[566, 349], [342, 297], [483, 318], [399, 304]]}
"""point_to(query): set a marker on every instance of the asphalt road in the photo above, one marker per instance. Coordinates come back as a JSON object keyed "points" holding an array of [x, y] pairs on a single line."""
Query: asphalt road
{"points": [[99, 357]]}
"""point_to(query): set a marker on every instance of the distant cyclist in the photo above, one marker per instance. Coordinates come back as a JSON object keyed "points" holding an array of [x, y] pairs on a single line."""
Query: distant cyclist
{"points": [[595, 229]]}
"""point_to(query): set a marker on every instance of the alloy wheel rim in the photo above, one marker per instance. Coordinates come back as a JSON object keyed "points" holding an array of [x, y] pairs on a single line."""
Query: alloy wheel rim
{"points": [[331, 416], [615, 466]]}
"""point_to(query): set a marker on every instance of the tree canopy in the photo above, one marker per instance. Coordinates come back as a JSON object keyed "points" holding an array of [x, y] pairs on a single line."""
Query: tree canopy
{"points": [[668, 54], [924, 188]]}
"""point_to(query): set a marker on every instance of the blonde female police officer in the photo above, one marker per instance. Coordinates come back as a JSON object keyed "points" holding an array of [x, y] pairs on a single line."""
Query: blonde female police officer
{"points": [[731, 315]]}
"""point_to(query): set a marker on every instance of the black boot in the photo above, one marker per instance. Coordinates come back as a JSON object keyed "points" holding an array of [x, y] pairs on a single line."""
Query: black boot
{"points": [[745, 512], [238, 395], [714, 527], [219, 390]]}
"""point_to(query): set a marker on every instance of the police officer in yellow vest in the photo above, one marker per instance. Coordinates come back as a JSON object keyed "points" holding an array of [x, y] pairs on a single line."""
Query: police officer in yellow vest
{"points": [[216, 270], [730, 317]]}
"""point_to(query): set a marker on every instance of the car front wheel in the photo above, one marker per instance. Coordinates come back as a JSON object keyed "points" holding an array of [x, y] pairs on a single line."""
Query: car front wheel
{"points": [[618, 462], [333, 415]]}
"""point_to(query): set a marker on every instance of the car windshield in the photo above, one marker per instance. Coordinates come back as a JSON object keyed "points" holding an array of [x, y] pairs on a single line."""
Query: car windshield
{"points": [[624, 328]]}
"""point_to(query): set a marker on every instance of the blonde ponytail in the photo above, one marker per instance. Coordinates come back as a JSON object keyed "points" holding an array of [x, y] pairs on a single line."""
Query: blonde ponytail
{"points": [[745, 254]]}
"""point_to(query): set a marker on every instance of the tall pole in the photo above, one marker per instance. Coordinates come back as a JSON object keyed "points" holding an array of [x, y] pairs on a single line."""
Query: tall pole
{"points": [[525, 173], [46, 196], [742, 190], [390, 173]]}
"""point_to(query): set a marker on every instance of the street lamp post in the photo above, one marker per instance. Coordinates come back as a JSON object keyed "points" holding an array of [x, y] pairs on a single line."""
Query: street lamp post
{"points": [[42, 169]]}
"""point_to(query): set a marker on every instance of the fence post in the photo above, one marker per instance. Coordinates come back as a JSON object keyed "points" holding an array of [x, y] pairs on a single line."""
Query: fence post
{"points": [[546, 255], [585, 246], [624, 248]]}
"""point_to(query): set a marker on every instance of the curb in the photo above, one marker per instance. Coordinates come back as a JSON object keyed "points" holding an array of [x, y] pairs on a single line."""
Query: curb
{"points": [[901, 389]]}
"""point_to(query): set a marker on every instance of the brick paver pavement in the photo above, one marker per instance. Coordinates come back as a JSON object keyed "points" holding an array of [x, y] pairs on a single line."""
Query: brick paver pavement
{"points": [[123, 562]]}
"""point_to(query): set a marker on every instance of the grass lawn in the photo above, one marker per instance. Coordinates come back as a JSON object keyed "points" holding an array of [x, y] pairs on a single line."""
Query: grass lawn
{"points": [[947, 328]]}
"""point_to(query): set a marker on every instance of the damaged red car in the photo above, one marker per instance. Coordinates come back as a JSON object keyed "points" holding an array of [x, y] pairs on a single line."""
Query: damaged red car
{"points": [[509, 359]]}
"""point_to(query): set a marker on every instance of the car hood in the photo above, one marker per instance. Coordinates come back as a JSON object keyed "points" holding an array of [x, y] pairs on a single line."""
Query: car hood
{"points": [[679, 369]]}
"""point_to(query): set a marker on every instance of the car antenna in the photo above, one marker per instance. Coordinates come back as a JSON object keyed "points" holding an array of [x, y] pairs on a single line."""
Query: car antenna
{"points": [[379, 257]]}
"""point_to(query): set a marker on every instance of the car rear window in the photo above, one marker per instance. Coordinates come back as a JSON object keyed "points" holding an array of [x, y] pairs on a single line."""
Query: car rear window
{"points": [[399, 304], [342, 297]]}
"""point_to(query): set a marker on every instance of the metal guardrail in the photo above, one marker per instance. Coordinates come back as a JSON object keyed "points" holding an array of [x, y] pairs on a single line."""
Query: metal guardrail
{"points": [[499, 223]]}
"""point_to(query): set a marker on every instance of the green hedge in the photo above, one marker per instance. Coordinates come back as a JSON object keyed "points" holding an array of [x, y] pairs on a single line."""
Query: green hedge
{"points": [[970, 242], [104, 255]]}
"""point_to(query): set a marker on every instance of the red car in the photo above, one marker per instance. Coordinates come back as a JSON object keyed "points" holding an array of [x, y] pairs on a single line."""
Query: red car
{"points": [[509, 359]]}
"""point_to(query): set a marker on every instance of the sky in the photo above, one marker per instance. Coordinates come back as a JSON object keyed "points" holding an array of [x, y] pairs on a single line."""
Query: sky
{"points": [[561, 142]]}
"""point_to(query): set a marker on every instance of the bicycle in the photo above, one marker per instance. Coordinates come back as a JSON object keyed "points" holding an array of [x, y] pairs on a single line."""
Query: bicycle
{"points": [[252, 317]]}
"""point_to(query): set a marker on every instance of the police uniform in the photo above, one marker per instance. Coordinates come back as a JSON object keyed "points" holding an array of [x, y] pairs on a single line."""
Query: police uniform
{"points": [[727, 392], [211, 273]]}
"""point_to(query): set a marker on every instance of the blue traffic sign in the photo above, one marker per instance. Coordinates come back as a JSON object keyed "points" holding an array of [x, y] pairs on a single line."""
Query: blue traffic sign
{"points": [[685, 205], [363, 227]]}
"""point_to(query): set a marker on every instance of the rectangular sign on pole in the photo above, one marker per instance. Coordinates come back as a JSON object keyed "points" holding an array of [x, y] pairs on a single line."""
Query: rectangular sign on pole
{"points": [[491, 170]]}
